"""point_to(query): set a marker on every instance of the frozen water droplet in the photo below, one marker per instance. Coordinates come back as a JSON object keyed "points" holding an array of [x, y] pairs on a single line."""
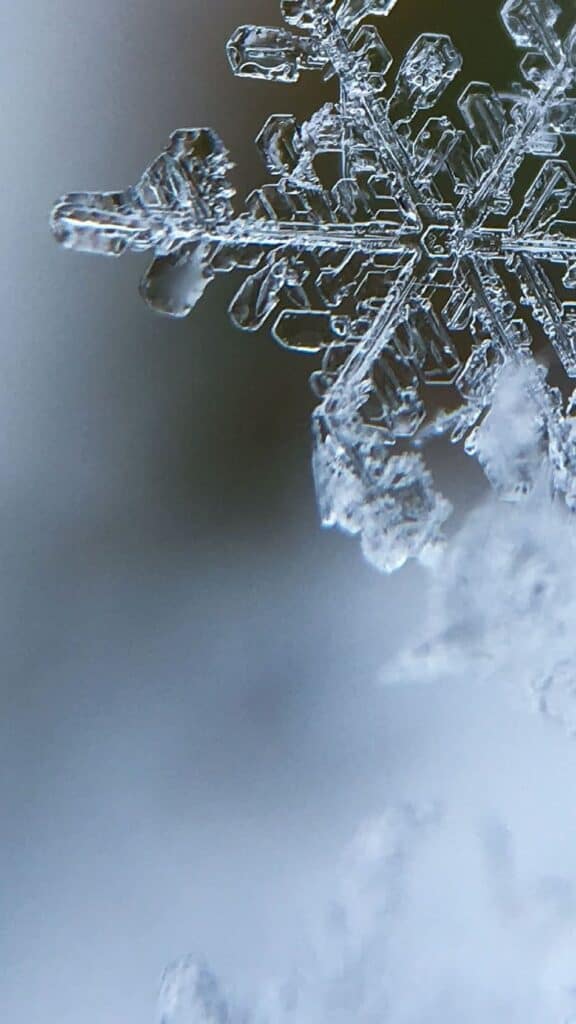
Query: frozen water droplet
{"points": [[173, 284]]}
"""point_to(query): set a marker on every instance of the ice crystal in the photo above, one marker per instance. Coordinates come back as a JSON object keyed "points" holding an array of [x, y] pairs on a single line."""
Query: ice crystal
{"points": [[421, 267]]}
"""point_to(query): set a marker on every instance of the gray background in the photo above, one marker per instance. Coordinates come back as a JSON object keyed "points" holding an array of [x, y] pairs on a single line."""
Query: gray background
{"points": [[190, 728]]}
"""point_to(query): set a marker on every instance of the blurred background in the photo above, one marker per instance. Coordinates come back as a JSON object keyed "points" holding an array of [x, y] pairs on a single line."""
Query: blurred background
{"points": [[190, 722]]}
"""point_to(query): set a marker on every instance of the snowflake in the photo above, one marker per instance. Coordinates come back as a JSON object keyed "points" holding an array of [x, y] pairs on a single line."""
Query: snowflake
{"points": [[442, 255]]}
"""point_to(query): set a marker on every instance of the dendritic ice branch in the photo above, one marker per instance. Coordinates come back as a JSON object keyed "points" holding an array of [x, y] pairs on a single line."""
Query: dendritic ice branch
{"points": [[444, 253]]}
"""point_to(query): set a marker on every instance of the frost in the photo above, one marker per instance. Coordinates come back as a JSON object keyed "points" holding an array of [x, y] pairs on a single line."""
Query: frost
{"points": [[503, 601], [428, 264]]}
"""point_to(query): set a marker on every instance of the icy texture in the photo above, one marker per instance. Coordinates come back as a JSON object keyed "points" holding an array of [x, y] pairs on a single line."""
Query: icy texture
{"points": [[428, 264], [503, 608], [503, 600], [502, 612]]}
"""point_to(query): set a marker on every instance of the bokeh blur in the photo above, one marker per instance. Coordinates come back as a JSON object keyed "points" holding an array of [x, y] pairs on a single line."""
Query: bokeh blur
{"points": [[190, 723]]}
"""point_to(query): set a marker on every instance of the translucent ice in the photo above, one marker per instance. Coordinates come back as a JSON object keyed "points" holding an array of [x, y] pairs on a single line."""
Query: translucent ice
{"points": [[417, 267]]}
